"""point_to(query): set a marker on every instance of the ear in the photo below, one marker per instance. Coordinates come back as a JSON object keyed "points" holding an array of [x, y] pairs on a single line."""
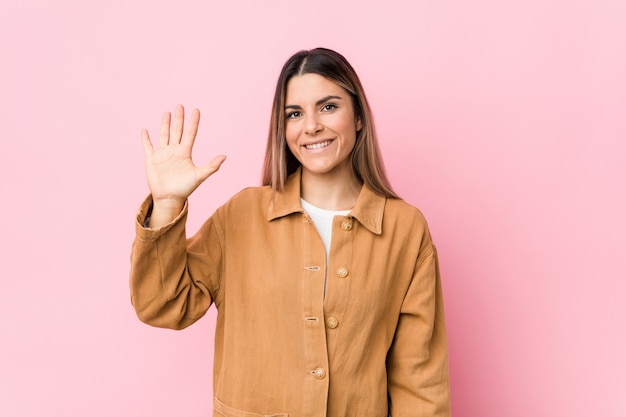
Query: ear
{"points": [[359, 125]]}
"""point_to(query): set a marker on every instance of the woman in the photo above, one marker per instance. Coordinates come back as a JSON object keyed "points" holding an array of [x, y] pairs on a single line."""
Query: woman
{"points": [[326, 283]]}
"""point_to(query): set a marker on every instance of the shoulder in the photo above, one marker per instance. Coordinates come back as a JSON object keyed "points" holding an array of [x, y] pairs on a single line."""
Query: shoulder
{"points": [[408, 224], [252, 193], [249, 199], [397, 209]]}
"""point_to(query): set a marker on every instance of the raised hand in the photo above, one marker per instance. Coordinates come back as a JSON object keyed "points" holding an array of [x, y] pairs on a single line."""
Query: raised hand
{"points": [[172, 176]]}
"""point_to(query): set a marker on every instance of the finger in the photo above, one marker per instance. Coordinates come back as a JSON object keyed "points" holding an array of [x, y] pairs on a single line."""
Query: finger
{"points": [[147, 143], [177, 126], [164, 138], [211, 168], [192, 128]]}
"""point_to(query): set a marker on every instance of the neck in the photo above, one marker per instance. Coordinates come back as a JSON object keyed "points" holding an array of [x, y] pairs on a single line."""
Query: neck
{"points": [[330, 192]]}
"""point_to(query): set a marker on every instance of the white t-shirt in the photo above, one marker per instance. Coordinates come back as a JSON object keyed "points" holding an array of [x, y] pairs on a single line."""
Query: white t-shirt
{"points": [[323, 220]]}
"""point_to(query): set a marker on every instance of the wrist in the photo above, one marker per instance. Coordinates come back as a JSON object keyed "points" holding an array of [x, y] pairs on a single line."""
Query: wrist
{"points": [[168, 204], [164, 211]]}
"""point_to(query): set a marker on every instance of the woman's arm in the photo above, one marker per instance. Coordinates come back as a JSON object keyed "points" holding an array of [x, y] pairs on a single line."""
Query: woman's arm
{"points": [[173, 285], [417, 363], [174, 280]]}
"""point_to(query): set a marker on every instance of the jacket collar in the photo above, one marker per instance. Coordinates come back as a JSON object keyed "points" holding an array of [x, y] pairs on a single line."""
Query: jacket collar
{"points": [[368, 210]]}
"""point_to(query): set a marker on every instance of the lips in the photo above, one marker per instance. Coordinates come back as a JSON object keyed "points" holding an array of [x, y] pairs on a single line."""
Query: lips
{"points": [[318, 145]]}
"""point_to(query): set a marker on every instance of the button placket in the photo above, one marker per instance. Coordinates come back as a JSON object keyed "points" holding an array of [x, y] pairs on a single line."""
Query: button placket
{"points": [[313, 281]]}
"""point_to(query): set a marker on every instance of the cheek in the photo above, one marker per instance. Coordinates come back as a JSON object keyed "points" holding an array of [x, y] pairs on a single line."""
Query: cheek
{"points": [[349, 127]]}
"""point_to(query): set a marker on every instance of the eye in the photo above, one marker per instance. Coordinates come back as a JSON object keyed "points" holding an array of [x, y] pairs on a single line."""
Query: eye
{"points": [[329, 107], [293, 115]]}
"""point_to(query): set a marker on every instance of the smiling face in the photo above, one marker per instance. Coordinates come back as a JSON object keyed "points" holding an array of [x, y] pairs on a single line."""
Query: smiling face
{"points": [[320, 125]]}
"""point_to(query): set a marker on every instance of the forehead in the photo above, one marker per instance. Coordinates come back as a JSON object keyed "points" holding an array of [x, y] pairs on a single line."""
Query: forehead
{"points": [[307, 87]]}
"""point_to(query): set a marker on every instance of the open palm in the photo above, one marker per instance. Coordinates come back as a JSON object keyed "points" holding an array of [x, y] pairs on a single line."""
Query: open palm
{"points": [[172, 176]]}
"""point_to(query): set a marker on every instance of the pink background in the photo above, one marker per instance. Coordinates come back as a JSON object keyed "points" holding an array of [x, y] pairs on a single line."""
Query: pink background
{"points": [[503, 121]]}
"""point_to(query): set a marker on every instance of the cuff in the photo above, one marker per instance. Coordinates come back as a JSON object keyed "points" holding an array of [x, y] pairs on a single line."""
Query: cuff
{"points": [[143, 232]]}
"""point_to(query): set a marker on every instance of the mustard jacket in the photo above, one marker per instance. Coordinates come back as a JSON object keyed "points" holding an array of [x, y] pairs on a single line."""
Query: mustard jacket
{"points": [[363, 336]]}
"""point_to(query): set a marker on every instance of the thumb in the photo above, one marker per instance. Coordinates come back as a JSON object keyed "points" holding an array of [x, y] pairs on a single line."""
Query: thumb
{"points": [[211, 168]]}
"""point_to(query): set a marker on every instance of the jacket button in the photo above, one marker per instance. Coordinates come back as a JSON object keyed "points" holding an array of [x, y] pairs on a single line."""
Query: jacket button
{"points": [[320, 373], [332, 323], [342, 272], [346, 225]]}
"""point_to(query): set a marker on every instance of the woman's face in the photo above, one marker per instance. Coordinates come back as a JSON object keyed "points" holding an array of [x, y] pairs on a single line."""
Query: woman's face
{"points": [[320, 125]]}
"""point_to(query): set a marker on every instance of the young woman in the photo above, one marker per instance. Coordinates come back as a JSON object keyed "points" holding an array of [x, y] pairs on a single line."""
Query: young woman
{"points": [[326, 283]]}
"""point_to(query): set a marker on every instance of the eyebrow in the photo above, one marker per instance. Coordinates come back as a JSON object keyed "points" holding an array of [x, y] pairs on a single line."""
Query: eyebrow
{"points": [[317, 103]]}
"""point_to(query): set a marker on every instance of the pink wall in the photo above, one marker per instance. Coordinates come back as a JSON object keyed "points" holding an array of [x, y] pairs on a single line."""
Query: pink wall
{"points": [[504, 121]]}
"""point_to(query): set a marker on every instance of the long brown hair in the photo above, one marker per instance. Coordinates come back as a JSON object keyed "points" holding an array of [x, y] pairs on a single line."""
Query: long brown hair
{"points": [[367, 161]]}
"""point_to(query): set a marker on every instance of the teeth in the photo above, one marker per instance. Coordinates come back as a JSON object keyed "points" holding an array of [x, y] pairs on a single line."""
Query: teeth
{"points": [[318, 145]]}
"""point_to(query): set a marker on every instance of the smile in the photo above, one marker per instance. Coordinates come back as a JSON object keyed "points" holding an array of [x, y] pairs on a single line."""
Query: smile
{"points": [[318, 145]]}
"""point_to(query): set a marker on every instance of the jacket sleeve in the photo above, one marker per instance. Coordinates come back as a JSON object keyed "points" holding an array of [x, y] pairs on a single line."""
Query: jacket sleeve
{"points": [[173, 281], [417, 362]]}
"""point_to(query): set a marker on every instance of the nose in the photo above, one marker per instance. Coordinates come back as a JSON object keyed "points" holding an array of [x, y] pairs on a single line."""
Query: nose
{"points": [[312, 124]]}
